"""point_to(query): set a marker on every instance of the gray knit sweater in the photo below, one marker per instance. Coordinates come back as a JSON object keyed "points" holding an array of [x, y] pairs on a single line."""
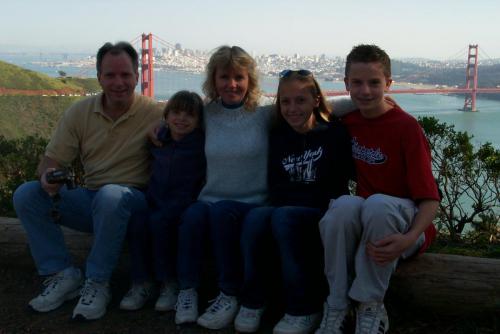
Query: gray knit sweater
{"points": [[236, 148]]}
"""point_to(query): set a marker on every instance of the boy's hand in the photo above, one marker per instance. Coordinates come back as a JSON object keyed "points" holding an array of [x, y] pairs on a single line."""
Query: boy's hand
{"points": [[388, 249]]}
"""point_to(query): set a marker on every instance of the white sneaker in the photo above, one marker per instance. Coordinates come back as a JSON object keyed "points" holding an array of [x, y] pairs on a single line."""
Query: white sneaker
{"points": [[186, 306], [333, 320], [64, 285], [137, 296], [371, 318], [248, 319], [94, 299], [220, 314], [168, 297], [301, 324]]}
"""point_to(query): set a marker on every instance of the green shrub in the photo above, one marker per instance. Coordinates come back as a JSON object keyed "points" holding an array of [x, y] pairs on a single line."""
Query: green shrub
{"points": [[468, 177]]}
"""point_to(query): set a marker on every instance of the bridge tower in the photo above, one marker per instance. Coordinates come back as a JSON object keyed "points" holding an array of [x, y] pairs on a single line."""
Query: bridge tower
{"points": [[471, 79], [147, 75]]}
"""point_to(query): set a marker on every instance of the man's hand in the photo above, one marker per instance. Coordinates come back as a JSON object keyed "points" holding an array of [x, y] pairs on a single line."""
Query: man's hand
{"points": [[153, 133], [388, 249], [51, 188]]}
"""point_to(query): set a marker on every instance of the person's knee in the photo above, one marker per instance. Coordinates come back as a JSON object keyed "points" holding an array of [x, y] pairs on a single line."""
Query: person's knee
{"points": [[255, 225], [219, 211], [113, 197], [25, 194], [281, 222], [376, 209], [195, 215], [342, 215]]}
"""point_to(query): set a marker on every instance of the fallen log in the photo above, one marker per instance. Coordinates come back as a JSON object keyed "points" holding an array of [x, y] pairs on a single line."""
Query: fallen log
{"points": [[444, 284]]}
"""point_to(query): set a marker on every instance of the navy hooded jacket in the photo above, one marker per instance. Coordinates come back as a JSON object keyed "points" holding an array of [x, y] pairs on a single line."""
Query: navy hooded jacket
{"points": [[177, 174]]}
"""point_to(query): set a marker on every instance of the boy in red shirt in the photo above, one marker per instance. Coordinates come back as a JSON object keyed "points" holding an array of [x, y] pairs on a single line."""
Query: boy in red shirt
{"points": [[396, 199]]}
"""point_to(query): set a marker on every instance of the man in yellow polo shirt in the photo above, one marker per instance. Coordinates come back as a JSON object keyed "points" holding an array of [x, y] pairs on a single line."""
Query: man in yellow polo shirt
{"points": [[108, 133]]}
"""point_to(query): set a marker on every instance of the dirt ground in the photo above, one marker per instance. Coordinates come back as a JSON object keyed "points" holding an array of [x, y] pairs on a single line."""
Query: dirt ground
{"points": [[19, 283]]}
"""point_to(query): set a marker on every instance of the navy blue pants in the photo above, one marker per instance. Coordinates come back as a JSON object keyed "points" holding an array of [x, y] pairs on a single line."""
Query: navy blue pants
{"points": [[221, 223], [152, 238], [292, 232]]}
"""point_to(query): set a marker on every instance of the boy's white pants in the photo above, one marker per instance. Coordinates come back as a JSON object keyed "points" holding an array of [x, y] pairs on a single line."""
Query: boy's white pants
{"points": [[351, 222]]}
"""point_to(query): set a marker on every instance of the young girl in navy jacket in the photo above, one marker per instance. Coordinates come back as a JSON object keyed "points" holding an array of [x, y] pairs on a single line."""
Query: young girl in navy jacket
{"points": [[177, 175]]}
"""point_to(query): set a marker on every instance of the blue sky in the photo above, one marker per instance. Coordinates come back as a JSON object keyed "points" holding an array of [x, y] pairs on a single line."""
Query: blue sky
{"points": [[437, 29]]}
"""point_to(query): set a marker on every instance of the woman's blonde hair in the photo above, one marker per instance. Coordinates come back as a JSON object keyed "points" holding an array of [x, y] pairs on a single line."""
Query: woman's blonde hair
{"points": [[233, 57], [322, 112]]}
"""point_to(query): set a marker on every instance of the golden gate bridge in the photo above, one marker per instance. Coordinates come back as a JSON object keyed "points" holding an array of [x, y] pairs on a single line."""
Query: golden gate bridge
{"points": [[470, 90]]}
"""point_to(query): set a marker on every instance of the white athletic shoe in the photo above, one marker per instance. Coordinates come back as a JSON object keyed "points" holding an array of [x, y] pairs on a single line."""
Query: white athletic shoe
{"points": [[220, 314], [168, 297], [137, 296], [300, 324], [186, 306], [248, 319], [333, 320], [95, 297], [58, 288], [371, 318]]}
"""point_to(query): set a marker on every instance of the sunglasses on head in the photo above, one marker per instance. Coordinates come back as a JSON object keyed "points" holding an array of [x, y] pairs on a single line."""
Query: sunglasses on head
{"points": [[302, 73]]}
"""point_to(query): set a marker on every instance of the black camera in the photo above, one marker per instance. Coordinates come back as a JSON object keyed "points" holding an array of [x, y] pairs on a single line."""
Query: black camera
{"points": [[61, 176]]}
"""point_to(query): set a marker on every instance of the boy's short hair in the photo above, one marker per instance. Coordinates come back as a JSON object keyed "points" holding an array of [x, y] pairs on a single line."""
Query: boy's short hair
{"points": [[116, 49], [368, 53], [187, 101]]}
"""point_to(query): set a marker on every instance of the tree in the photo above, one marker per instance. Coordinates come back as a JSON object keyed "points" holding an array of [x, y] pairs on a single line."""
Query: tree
{"points": [[468, 178], [18, 164]]}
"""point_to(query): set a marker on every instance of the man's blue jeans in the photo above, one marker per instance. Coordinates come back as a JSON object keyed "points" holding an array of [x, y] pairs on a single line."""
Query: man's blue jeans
{"points": [[293, 232], [104, 212]]}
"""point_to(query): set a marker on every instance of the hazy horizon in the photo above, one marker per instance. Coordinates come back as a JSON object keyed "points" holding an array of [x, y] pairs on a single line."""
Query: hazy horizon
{"points": [[437, 30]]}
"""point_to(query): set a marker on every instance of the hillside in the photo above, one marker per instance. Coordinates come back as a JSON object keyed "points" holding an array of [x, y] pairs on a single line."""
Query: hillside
{"points": [[24, 110], [15, 80], [21, 116], [489, 75]]}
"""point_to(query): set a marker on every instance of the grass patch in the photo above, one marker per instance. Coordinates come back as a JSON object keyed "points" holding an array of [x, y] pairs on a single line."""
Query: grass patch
{"points": [[466, 248]]}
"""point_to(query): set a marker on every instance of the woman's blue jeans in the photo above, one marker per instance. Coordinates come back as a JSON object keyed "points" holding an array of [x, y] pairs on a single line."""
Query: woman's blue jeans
{"points": [[221, 223], [104, 212]]}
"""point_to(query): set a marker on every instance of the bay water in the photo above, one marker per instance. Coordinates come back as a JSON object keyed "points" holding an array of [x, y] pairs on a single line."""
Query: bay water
{"points": [[484, 125]]}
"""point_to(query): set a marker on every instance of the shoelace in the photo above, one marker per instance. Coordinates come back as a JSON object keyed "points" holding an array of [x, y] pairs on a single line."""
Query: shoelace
{"points": [[185, 300], [333, 319], [220, 303], [368, 318], [89, 292], [50, 284]]}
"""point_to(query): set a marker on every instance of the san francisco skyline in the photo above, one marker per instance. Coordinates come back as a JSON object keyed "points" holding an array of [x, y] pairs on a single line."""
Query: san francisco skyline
{"points": [[431, 29]]}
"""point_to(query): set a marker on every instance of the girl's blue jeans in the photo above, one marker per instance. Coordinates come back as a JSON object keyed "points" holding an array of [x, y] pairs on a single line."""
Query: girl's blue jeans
{"points": [[293, 233]]}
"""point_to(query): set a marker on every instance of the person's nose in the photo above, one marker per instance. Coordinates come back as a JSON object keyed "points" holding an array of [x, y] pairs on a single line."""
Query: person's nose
{"points": [[232, 83]]}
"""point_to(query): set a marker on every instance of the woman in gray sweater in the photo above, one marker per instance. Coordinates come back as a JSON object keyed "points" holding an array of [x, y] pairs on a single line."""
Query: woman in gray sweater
{"points": [[236, 146]]}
